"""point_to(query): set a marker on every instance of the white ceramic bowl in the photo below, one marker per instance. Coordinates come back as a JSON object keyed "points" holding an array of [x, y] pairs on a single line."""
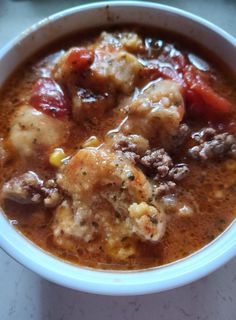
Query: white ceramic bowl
{"points": [[158, 279]]}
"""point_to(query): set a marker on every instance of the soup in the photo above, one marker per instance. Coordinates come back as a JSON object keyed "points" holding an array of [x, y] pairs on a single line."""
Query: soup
{"points": [[118, 148]]}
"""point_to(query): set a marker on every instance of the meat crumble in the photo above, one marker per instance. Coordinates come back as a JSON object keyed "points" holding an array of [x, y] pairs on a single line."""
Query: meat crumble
{"points": [[213, 145]]}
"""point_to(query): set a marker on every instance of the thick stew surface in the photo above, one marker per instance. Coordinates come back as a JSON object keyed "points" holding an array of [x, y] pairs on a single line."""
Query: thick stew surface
{"points": [[118, 148]]}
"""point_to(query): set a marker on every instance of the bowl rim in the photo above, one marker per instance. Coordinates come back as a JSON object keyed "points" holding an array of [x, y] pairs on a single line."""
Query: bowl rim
{"points": [[173, 275], [129, 3]]}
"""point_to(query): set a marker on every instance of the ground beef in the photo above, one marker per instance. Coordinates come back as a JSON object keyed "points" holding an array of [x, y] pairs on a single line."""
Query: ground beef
{"points": [[124, 144], [212, 145], [51, 194], [164, 188], [132, 146], [128, 148], [204, 134], [178, 172], [157, 162], [28, 188]]}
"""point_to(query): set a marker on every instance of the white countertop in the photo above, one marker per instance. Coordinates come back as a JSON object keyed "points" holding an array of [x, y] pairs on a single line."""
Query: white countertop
{"points": [[24, 295]]}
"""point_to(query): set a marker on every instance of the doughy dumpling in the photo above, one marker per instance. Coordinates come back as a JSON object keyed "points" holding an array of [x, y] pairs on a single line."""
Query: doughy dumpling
{"points": [[156, 112], [33, 131], [94, 175]]}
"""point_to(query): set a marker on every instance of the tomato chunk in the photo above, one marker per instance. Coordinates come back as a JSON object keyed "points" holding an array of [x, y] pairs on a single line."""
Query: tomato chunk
{"points": [[48, 97], [201, 98], [79, 59]]}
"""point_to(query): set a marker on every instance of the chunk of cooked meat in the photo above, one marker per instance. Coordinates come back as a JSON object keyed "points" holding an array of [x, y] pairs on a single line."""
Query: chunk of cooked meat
{"points": [[28, 188], [178, 172], [158, 162], [156, 112], [52, 196], [204, 134], [23, 189], [132, 146], [155, 162], [94, 175], [88, 105], [33, 132], [212, 145], [164, 188], [73, 64]]}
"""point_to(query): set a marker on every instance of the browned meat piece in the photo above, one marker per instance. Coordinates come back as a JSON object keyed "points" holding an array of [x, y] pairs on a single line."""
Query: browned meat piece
{"points": [[23, 189], [212, 145], [158, 162], [164, 188], [178, 172], [204, 134], [30, 189], [132, 146], [52, 196]]}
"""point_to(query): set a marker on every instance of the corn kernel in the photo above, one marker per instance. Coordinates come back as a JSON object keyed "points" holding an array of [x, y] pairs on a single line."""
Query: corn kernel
{"points": [[91, 142], [56, 157], [136, 211], [230, 164]]}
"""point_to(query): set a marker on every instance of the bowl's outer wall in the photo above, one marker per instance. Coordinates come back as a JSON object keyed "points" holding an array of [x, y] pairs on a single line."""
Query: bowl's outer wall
{"points": [[117, 283]]}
